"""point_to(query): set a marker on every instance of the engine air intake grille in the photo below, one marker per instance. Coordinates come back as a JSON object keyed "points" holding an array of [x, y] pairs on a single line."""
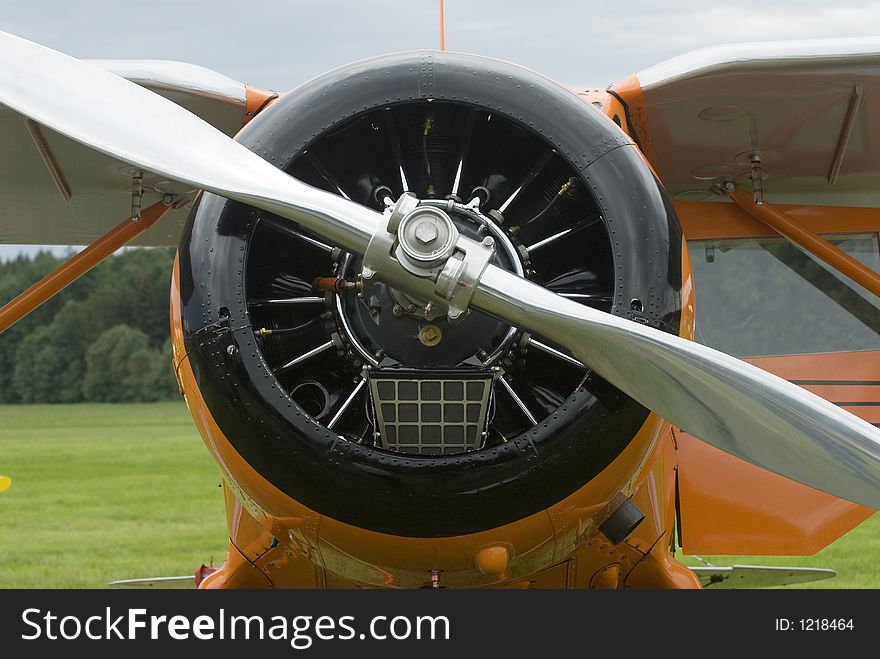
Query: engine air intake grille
{"points": [[430, 413]]}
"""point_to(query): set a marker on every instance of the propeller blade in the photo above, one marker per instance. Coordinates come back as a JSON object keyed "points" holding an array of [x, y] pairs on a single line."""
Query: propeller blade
{"points": [[737, 407], [130, 123], [734, 406]]}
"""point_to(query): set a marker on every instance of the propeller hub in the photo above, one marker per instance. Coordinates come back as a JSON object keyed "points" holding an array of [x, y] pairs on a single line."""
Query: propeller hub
{"points": [[427, 236], [419, 250]]}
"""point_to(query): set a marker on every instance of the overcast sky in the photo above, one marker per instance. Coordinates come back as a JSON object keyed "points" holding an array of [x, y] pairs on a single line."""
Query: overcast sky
{"points": [[277, 44]]}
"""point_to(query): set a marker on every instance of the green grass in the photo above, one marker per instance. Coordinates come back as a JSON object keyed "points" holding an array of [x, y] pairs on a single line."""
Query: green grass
{"points": [[104, 492]]}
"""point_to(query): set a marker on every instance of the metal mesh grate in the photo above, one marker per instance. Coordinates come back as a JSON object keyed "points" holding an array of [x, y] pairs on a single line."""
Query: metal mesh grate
{"points": [[434, 415]]}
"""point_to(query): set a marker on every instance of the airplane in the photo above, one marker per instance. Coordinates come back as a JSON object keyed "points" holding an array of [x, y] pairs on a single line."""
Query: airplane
{"points": [[434, 314]]}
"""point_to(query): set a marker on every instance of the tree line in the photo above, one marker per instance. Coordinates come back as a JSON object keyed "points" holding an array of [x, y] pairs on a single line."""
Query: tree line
{"points": [[105, 338]]}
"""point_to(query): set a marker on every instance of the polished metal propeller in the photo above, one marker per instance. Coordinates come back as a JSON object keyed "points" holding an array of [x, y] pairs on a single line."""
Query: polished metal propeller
{"points": [[737, 407], [126, 121], [724, 401]]}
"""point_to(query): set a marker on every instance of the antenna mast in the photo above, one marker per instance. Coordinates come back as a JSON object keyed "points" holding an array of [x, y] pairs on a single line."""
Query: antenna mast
{"points": [[442, 28]]}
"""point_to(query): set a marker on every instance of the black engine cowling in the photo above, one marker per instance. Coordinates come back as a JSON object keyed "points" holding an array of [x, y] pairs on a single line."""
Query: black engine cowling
{"points": [[570, 204]]}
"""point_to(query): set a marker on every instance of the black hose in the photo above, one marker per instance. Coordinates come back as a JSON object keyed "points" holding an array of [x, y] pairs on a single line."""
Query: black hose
{"points": [[568, 186], [429, 124]]}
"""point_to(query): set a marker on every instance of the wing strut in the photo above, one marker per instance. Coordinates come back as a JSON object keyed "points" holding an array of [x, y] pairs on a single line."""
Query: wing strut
{"points": [[49, 158], [78, 265], [812, 242]]}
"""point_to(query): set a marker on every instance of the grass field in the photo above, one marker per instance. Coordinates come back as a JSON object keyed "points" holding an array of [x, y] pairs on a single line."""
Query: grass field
{"points": [[104, 492]]}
